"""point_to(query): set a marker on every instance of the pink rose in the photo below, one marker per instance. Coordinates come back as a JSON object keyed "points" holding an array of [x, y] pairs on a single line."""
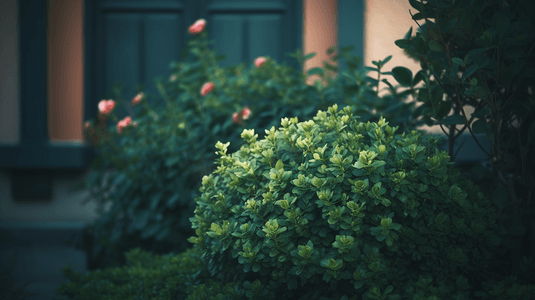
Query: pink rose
{"points": [[172, 77], [137, 99], [197, 27], [245, 113], [259, 61], [87, 124], [123, 123], [207, 88], [105, 107], [236, 117]]}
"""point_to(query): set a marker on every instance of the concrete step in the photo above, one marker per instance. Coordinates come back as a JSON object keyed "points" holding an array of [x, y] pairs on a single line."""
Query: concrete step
{"points": [[41, 252]]}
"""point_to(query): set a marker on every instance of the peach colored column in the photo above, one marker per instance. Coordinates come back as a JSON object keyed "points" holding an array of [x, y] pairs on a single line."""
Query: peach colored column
{"points": [[320, 32], [386, 21], [65, 70]]}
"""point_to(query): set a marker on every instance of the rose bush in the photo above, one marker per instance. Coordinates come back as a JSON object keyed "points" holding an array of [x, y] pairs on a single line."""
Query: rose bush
{"points": [[145, 177]]}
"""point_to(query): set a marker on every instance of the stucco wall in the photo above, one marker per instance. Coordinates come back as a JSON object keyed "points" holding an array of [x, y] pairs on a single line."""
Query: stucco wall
{"points": [[65, 64], [386, 21], [319, 32]]}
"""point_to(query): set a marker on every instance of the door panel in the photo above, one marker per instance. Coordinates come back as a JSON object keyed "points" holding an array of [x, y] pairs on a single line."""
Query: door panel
{"points": [[161, 47], [228, 32], [136, 42], [122, 53], [263, 35], [244, 30]]}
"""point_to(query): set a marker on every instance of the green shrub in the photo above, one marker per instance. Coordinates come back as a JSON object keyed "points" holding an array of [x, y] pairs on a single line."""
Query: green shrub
{"points": [[332, 207], [144, 276], [146, 177], [299, 215], [478, 66]]}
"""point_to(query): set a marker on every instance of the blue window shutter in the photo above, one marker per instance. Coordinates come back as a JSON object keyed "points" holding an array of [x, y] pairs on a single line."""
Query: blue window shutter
{"points": [[34, 150], [351, 27], [244, 30], [135, 42]]}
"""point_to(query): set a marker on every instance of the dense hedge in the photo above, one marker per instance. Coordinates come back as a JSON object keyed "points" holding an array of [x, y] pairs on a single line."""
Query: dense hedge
{"points": [[144, 276]]}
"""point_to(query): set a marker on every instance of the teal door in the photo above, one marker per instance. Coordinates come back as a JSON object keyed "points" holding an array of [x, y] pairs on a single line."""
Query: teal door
{"points": [[134, 41]]}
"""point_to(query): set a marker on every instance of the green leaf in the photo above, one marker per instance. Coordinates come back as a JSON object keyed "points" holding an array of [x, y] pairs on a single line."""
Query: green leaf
{"points": [[309, 56], [418, 77], [500, 196], [403, 76], [331, 50], [479, 126], [481, 92], [458, 61], [330, 67], [373, 69], [487, 37], [469, 71], [315, 71], [435, 46], [387, 59], [453, 120], [473, 82], [408, 34], [416, 4], [403, 44]]}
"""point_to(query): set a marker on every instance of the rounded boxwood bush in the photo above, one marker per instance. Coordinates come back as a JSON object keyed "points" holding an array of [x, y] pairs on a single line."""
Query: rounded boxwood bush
{"points": [[336, 208]]}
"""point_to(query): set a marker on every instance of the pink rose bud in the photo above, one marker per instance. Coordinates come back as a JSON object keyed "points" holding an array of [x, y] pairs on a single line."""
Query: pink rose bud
{"points": [[172, 77], [105, 107], [87, 124], [207, 88], [137, 99], [197, 27], [245, 113], [259, 61], [123, 123], [236, 117]]}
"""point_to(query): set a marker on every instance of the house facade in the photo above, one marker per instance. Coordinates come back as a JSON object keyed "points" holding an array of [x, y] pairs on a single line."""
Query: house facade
{"points": [[60, 57]]}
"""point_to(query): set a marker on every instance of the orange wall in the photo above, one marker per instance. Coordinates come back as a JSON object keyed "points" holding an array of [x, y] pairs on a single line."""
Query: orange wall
{"points": [[320, 32], [65, 70], [386, 21]]}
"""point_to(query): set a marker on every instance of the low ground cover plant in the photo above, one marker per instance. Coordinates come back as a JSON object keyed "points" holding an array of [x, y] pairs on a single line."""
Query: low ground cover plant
{"points": [[143, 276]]}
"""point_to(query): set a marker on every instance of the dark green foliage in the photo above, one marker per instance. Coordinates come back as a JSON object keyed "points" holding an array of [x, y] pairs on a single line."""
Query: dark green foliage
{"points": [[478, 65], [336, 208], [145, 179], [144, 276], [326, 209]]}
